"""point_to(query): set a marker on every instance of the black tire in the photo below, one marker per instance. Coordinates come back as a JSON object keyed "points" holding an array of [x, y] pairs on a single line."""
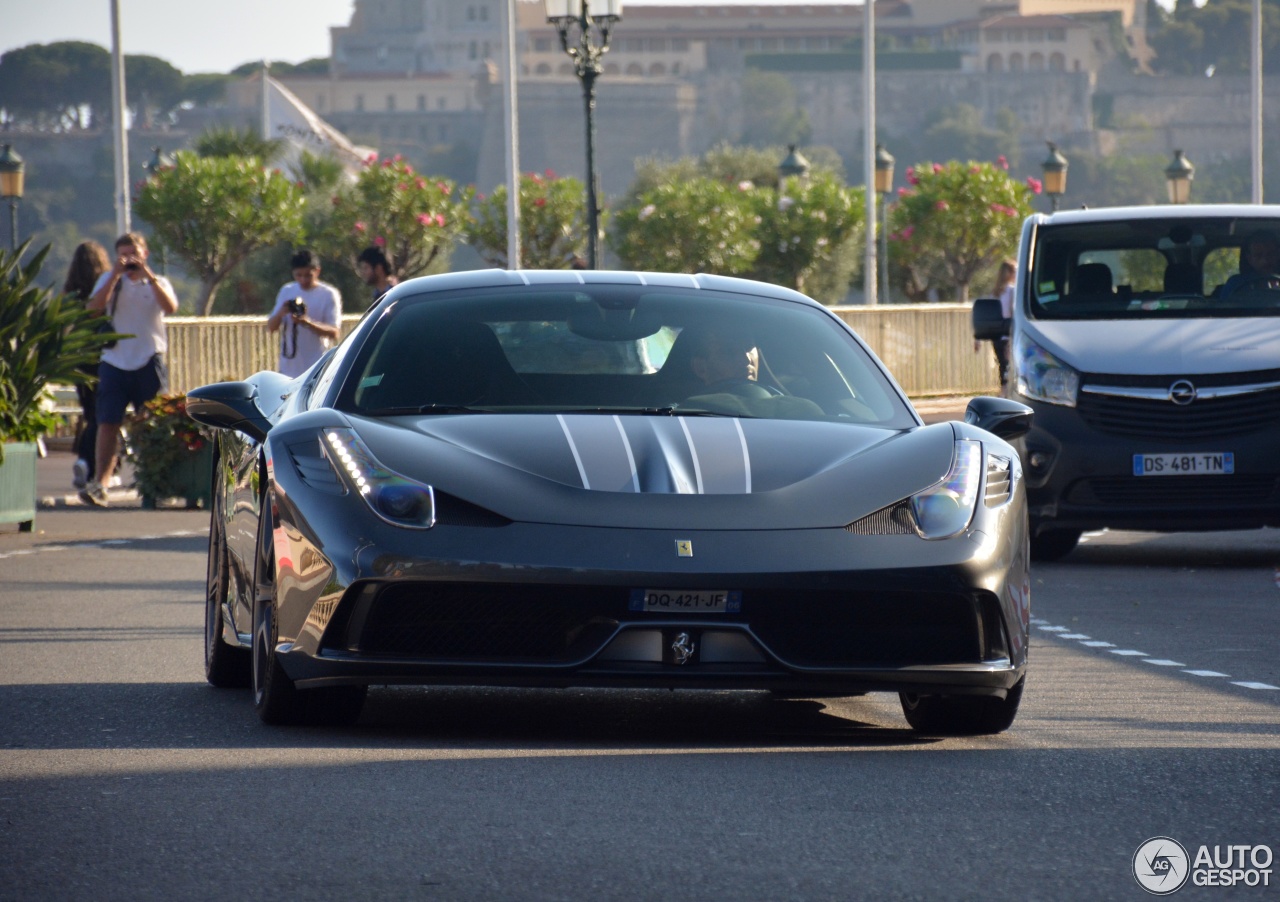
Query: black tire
{"points": [[1054, 544], [961, 715], [275, 697], [225, 666]]}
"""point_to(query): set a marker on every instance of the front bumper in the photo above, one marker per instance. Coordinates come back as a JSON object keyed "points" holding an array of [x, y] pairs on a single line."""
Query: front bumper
{"points": [[1081, 477]]}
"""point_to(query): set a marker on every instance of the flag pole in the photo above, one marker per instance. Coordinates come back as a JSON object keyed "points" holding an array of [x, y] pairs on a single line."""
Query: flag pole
{"points": [[869, 144], [266, 101]]}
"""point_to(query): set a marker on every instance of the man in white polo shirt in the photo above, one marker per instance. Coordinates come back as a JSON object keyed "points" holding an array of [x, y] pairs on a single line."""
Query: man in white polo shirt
{"points": [[307, 314], [132, 371]]}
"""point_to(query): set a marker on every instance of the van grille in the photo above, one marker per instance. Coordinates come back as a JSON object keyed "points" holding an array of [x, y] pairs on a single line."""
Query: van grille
{"points": [[1166, 421]]}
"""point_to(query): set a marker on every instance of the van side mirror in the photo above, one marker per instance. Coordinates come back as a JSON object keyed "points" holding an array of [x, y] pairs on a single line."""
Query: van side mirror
{"points": [[988, 320]]}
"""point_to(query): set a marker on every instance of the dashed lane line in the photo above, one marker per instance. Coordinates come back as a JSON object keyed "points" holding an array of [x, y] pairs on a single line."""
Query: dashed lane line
{"points": [[101, 543], [1064, 632]]}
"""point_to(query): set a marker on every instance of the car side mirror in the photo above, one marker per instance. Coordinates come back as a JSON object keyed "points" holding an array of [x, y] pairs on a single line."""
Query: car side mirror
{"points": [[999, 416], [988, 320], [229, 405]]}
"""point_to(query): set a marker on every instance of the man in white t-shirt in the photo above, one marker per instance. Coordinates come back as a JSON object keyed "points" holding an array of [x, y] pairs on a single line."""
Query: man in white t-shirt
{"points": [[132, 371], [307, 313]]}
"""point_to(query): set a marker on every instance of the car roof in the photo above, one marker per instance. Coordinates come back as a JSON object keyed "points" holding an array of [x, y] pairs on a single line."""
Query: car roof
{"points": [[496, 278], [1161, 211]]}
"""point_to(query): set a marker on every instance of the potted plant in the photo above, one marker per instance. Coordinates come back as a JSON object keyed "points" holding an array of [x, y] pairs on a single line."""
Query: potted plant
{"points": [[172, 454], [44, 337]]}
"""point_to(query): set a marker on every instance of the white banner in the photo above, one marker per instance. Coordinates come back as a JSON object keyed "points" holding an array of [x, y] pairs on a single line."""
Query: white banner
{"points": [[291, 120]]}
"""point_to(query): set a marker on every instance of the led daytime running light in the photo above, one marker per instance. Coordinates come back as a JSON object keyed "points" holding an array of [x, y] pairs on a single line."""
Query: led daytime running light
{"points": [[397, 499]]}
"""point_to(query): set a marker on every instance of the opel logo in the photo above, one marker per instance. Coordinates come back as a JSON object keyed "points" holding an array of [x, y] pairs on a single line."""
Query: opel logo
{"points": [[1182, 392]]}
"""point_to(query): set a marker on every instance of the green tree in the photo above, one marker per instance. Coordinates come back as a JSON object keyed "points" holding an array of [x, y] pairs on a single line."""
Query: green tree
{"points": [[959, 219], [1215, 34], [415, 220], [552, 223], [698, 225], [59, 86], [154, 86], [215, 211], [227, 141], [807, 235]]}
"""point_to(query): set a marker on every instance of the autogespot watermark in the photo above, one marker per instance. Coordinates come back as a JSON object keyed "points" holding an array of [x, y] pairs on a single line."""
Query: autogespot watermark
{"points": [[1162, 865]]}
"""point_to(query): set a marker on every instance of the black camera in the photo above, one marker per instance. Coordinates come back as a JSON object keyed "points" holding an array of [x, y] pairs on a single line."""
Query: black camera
{"points": [[296, 307]]}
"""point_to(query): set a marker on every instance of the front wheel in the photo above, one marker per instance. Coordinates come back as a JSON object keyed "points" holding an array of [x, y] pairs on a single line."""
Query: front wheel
{"points": [[962, 715], [1054, 544], [275, 697], [225, 666]]}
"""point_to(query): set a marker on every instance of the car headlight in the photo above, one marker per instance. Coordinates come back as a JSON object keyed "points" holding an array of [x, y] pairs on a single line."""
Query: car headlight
{"points": [[945, 509], [397, 499], [1043, 376]]}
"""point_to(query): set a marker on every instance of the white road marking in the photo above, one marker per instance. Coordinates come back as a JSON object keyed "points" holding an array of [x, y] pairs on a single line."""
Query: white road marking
{"points": [[48, 549], [1063, 632]]}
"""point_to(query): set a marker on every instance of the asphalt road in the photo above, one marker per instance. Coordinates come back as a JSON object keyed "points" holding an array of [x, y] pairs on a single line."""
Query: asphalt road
{"points": [[124, 776]]}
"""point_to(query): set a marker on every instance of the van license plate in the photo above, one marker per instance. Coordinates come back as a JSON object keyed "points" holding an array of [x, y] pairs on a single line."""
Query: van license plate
{"points": [[1200, 463]]}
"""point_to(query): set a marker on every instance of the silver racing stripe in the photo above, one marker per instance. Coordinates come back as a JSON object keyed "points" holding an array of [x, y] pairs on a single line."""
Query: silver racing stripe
{"points": [[647, 454], [719, 448], [602, 453]]}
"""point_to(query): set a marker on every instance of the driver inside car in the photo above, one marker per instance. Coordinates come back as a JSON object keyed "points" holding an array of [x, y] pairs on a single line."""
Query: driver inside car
{"points": [[1259, 265], [727, 362]]}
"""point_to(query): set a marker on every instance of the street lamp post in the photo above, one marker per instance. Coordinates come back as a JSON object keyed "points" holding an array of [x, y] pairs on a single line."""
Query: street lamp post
{"points": [[11, 188], [1054, 168], [884, 184], [1179, 174], [793, 164], [586, 52]]}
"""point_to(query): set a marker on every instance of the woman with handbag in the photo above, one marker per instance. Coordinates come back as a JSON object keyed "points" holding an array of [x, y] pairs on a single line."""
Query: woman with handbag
{"points": [[87, 264]]}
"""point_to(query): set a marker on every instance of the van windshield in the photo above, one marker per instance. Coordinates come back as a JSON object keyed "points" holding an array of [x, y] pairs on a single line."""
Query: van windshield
{"points": [[1174, 268]]}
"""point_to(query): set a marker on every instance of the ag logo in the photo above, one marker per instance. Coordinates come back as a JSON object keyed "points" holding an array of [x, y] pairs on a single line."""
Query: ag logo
{"points": [[1161, 865]]}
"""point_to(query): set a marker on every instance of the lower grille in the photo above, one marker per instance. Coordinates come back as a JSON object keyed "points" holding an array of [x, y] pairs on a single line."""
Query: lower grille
{"points": [[857, 629], [550, 625], [488, 622], [1166, 421], [1176, 491]]}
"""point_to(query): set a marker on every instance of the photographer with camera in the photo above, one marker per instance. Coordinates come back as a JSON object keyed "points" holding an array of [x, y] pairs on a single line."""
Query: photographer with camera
{"points": [[132, 370], [307, 313]]}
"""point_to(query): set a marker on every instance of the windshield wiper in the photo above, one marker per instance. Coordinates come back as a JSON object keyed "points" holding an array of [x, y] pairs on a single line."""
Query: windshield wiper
{"points": [[419, 409]]}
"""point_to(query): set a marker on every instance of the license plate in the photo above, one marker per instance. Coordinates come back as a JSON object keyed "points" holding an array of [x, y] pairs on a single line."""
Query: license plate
{"points": [[686, 601], [1200, 463]]}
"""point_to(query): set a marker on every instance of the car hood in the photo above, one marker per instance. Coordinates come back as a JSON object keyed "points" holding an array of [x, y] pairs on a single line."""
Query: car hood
{"points": [[1163, 347], [662, 471]]}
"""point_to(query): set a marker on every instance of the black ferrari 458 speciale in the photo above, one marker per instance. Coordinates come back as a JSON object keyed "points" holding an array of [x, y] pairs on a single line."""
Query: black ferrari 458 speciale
{"points": [[611, 479]]}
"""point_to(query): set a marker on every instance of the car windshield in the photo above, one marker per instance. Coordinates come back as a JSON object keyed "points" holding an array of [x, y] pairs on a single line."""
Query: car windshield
{"points": [[1174, 268], [617, 349]]}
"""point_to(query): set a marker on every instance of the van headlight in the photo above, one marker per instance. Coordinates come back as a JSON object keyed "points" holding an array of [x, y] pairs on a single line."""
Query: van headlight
{"points": [[944, 510], [1042, 376], [397, 499]]}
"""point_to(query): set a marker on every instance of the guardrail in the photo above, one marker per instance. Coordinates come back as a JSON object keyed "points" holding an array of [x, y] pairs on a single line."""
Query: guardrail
{"points": [[927, 347]]}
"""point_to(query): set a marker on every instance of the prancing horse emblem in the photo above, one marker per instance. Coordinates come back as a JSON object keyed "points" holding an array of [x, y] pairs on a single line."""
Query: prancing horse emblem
{"points": [[684, 548], [682, 648]]}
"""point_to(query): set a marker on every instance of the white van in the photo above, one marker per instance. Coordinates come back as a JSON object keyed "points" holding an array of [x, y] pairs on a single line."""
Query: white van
{"points": [[1147, 340]]}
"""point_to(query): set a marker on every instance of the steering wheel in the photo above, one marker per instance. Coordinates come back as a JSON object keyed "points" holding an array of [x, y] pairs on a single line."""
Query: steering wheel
{"points": [[743, 388], [1261, 280]]}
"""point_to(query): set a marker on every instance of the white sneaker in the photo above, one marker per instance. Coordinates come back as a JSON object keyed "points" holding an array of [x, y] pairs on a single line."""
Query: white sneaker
{"points": [[115, 482], [94, 494], [80, 473]]}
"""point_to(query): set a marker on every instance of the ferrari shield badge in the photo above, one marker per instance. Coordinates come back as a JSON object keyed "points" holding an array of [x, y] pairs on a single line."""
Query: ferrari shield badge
{"points": [[684, 548]]}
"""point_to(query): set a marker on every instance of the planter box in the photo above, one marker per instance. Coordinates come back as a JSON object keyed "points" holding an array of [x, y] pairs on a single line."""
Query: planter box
{"points": [[18, 485], [189, 480]]}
